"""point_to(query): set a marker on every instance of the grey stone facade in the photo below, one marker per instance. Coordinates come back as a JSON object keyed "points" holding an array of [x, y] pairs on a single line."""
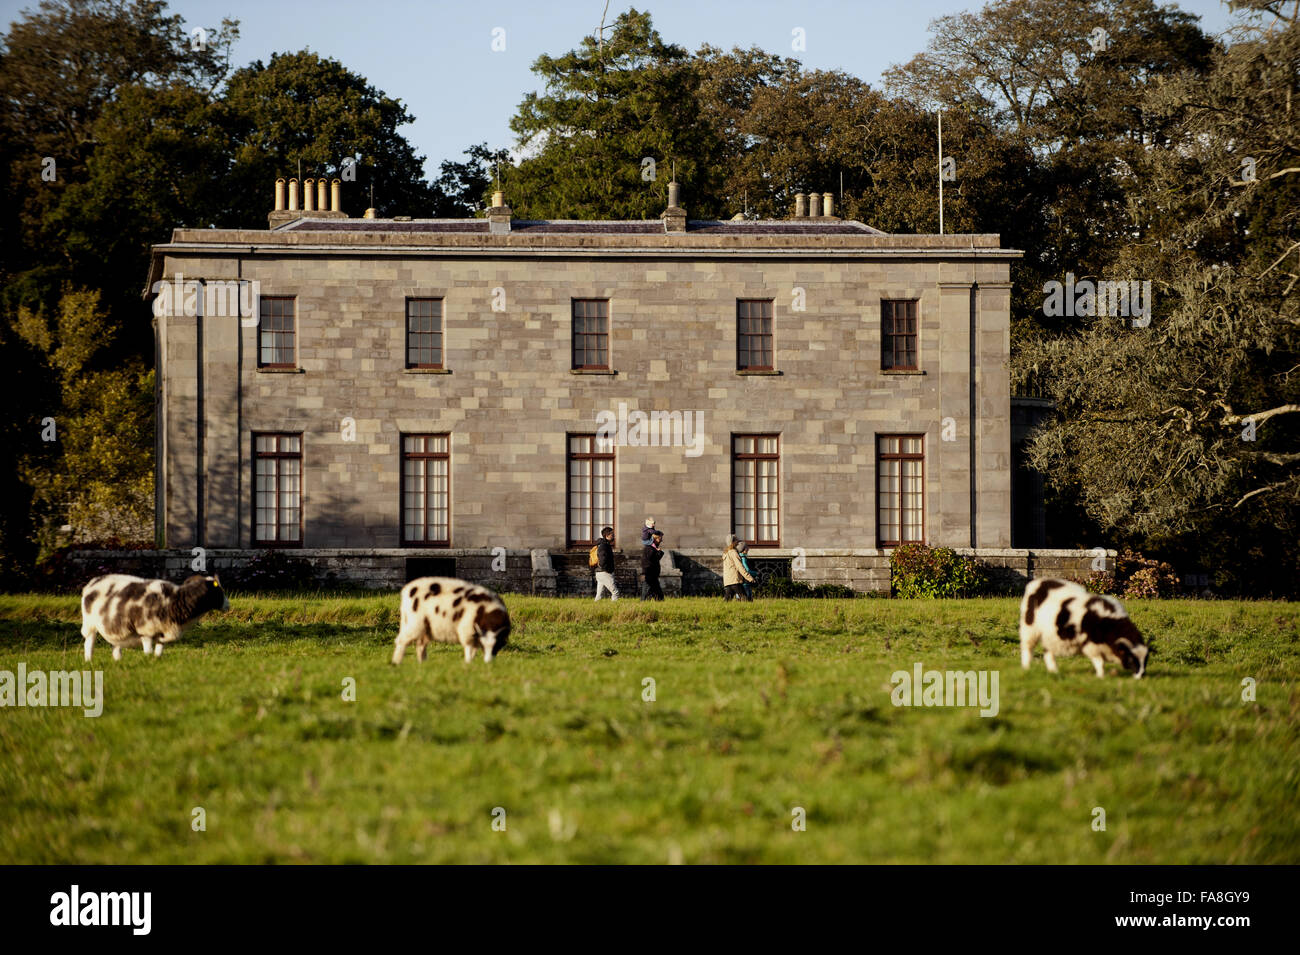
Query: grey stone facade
{"points": [[508, 395]]}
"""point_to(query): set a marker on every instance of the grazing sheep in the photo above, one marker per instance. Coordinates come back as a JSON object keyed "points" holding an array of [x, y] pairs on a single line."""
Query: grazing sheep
{"points": [[1069, 620], [451, 611], [132, 612]]}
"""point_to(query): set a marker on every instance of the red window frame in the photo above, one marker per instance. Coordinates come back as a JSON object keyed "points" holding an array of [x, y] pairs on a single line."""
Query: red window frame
{"points": [[884, 455], [424, 452], [745, 448], [273, 458]]}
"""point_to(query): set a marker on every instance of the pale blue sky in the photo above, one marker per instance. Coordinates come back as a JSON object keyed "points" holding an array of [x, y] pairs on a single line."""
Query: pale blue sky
{"points": [[437, 57]]}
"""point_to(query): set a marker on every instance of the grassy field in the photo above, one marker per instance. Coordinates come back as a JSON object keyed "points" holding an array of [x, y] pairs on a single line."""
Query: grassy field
{"points": [[758, 709]]}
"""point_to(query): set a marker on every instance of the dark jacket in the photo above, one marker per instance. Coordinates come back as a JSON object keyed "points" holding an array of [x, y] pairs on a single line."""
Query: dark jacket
{"points": [[605, 556], [650, 558]]}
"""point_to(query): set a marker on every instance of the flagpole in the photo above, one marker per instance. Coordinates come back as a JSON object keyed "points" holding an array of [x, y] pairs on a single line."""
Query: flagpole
{"points": [[941, 172]]}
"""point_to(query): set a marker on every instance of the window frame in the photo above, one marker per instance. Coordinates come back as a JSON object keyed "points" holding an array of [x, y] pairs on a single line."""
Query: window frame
{"points": [[570, 456], [756, 456], [574, 333], [405, 456], [292, 332], [440, 332], [769, 334], [889, 337], [278, 455], [901, 456]]}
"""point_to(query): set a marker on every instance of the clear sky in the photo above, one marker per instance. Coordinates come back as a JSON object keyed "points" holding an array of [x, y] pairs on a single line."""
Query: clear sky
{"points": [[437, 57]]}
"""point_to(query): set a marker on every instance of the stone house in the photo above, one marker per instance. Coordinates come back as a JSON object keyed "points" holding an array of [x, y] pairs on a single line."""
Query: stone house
{"points": [[394, 396]]}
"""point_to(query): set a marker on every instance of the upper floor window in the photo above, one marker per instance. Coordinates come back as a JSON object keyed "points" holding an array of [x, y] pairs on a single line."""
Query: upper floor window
{"points": [[424, 333], [591, 333], [898, 335], [754, 335], [276, 334]]}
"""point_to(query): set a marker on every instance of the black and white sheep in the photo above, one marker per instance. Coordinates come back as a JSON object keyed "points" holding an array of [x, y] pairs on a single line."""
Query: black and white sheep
{"points": [[131, 611], [450, 610], [1069, 620]]}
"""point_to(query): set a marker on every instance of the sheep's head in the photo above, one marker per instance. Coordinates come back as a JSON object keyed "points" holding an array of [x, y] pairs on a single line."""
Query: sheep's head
{"points": [[200, 594], [1131, 649]]}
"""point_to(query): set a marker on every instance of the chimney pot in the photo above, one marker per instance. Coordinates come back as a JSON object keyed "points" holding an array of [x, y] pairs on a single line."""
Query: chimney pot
{"points": [[336, 196], [674, 195], [498, 200], [321, 197], [309, 195], [370, 213], [279, 194], [293, 195], [800, 205], [828, 204]]}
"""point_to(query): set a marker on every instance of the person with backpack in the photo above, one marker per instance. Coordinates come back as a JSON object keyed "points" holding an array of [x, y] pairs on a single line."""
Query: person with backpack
{"points": [[651, 554], [601, 559], [733, 571]]}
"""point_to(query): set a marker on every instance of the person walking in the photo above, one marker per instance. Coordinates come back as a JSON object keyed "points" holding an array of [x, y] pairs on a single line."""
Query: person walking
{"points": [[742, 549], [605, 564], [733, 571], [651, 554]]}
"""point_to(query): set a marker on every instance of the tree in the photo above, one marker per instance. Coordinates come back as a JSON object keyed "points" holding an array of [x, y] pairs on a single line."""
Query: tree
{"points": [[606, 109], [1202, 407], [1070, 90], [463, 187], [90, 475], [304, 108]]}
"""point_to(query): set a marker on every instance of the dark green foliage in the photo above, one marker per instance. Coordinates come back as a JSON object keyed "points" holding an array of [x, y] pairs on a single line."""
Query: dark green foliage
{"points": [[785, 587], [920, 571], [275, 570]]}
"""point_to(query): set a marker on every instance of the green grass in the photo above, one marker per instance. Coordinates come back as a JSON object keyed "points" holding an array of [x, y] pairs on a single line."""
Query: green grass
{"points": [[760, 708]]}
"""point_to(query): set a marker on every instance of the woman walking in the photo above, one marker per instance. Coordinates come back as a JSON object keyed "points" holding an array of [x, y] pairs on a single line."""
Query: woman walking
{"points": [[733, 572], [651, 554]]}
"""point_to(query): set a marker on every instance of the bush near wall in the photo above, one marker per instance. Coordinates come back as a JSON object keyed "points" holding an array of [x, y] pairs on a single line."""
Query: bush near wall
{"points": [[1134, 576], [59, 574], [785, 587], [277, 570], [919, 571]]}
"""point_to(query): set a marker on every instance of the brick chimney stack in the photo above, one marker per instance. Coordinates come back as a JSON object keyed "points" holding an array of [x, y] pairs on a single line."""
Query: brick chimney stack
{"points": [[674, 216], [316, 193], [499, 215]]}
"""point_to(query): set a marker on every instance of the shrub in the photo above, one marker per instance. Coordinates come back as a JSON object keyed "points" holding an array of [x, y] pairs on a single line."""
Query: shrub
{"points": [[785, 587], [920, 571], [1134, 576], [782, 587], [275, 570]]}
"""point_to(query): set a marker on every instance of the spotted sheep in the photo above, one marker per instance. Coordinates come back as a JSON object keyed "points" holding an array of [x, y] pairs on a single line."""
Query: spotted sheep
{"points": [[134, 612], [449, 610], [1069, 621]]}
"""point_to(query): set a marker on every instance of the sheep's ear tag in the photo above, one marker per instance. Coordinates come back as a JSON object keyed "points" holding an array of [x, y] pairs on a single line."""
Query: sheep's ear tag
{"points": [[216, 581]]}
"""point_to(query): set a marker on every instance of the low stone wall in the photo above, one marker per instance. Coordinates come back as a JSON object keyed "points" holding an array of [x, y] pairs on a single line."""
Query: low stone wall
{"points": [[565, 572]]}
